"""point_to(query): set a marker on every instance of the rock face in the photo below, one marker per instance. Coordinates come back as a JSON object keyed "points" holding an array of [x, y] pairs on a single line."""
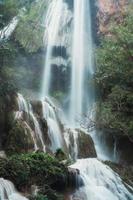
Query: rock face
{"points": [[85, 145], [80, 144], [107, 9], [20, 139], [8, 105], [125, 149]]}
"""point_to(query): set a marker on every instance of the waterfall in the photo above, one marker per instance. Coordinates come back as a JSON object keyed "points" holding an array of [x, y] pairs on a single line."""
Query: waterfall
{"points": [[100, 182], [81, 57], [8, 191], [52, 23], [25, 107], [38, 131], [53, 127], [6, 32]]}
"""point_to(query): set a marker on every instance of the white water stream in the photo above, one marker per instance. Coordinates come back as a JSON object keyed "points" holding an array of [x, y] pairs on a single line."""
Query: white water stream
{"points": [[82, 64], [52, 23], [8, 191], [100, 182], [25, 107], [53, 127], [6, 32]]}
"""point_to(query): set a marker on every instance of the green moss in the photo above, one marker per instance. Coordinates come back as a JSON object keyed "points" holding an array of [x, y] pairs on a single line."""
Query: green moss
{"points": [[19, 139], [60, 155], [85, 145]]}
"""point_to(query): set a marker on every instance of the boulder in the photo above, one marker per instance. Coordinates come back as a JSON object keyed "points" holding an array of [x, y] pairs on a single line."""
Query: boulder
{"points": [[86, 148], [20, 138]]}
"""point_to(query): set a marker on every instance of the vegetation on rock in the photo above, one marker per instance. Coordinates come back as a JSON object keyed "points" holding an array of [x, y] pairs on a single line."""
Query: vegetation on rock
{"points": [[38, 169], [114, 78]]}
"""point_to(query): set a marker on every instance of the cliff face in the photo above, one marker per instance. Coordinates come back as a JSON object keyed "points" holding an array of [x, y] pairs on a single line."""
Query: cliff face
{"points": [[107, 9]]}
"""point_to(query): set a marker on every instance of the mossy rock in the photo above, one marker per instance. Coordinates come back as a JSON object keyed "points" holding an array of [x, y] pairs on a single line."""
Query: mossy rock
{"points": [[19, 139], [60, 155], [37, 107], [86, 148], [40, 169]]}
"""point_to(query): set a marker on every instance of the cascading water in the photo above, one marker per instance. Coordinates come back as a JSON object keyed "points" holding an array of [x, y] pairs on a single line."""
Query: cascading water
{"points": [[27, 108], [8, 191], [100, 182], [52, 23], [38, 131], [6, 32], [81, 57], [53, 127]]}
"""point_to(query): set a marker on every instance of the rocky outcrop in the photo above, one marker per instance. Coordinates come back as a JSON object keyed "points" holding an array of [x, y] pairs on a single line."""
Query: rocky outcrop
{"points": [[108, 9], [80, 144], [8, 105], [86, 148], [20, 138]]}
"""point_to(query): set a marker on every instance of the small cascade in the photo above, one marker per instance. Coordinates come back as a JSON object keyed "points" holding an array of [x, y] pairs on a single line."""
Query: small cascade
{"points": [[8, 191], [25, 107], [38, 131], [53, 127], [71, 137], [6, 32], [100, 182]]}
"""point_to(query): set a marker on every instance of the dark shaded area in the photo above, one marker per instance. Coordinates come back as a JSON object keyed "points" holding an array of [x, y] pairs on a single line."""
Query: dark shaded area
{"points": [[59, 51]]}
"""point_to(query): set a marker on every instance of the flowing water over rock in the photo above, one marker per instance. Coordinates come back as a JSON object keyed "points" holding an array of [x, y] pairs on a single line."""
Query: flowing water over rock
{"points": [[54, 131], [8, 191], [25, 107], [6, 32], [100, 182]]}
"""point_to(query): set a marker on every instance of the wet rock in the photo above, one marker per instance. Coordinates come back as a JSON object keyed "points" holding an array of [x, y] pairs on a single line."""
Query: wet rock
{"points": [[37, 107], [2, 154], [8, 104], [74, 179], [107, 9], [86, 148], [20, 138]]}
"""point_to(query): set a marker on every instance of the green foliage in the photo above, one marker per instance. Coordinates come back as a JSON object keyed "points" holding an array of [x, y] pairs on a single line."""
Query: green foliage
{"points": [[60, 155], [39, 197], [114, 77], [33, 168], [30, 30], [10, 8], [7, 87]]}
